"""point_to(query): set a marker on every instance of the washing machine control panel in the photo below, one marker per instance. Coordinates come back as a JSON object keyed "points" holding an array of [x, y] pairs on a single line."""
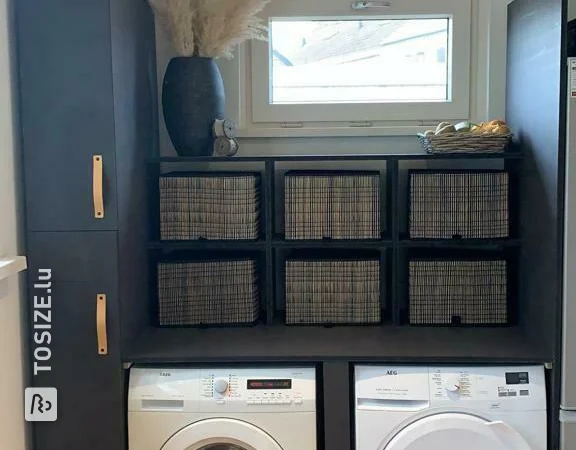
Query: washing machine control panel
{"points": [[509, 388], [256, 388], [223, 389], [488, 384]]}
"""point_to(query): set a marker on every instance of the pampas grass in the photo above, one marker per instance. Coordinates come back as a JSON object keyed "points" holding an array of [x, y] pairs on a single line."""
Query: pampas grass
{"points": [[210, 28]]}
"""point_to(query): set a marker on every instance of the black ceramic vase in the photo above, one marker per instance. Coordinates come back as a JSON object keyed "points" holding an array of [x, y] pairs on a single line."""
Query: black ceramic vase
{"points": [[192, 98]]}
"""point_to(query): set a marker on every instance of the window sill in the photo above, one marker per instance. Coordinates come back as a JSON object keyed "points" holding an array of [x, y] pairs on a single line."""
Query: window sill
{"points": [[351, 131], [11, 266]]}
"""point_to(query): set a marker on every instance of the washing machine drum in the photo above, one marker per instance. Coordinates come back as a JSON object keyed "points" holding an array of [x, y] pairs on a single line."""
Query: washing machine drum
{"points": [[221, 434], [456, 431]]}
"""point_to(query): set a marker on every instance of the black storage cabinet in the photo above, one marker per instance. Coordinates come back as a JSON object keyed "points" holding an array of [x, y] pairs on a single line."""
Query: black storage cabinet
{"points": [[88, 118]]}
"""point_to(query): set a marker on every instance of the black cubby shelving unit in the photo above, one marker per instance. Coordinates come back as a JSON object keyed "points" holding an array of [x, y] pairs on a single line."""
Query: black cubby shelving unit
{"points": [[394, 248]]}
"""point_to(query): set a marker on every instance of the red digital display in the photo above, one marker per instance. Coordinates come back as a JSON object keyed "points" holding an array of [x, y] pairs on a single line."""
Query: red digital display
{"points": [[269, 384]]}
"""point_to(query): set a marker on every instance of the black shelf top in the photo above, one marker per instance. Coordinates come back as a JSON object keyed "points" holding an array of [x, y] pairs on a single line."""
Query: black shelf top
{"points": [[350, 157], [368, 344], [206, 244]]}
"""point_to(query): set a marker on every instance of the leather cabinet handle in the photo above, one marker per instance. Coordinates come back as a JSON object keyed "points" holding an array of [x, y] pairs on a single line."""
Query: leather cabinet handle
{"points": [[101, 326], [97, 186]]}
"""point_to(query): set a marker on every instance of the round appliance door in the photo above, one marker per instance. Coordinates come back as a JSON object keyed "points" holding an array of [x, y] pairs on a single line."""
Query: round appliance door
{"points": [[221, 434], [456, 431]]}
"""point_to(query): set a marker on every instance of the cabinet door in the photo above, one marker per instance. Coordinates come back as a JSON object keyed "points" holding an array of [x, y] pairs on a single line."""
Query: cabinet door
{"points": [[90, 385], [67, 113], [82, 266]]}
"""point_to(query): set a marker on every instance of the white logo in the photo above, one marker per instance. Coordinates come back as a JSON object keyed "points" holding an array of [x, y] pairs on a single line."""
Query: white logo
{"points": [[41, 404]]}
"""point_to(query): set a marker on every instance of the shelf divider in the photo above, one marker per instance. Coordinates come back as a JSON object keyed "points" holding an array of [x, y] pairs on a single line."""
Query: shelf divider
{"points": [[269, 211], [392, 203], [478, 244], [231, 245], [336, 243]]}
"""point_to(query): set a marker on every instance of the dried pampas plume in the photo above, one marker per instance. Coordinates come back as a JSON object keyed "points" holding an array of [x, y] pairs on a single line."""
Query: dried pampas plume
{"points": [[210, 28]]}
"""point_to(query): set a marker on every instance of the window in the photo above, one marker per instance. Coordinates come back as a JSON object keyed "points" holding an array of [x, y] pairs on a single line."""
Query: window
{"points": [[328, 62], [359, 61]]}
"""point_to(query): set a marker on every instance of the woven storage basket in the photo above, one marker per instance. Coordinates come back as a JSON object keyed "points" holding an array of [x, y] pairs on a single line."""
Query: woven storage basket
{"points": [[332, 205], [465, 142], [456, 204], [458, 292], [208, 293], [332, 292], [215, 206]]}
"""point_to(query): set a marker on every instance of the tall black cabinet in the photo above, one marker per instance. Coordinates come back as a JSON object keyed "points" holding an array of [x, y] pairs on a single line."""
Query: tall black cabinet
{"points": [[88, 118]]}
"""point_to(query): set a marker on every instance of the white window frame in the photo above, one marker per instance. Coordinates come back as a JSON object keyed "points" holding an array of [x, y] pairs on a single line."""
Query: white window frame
{"points": [[457, 106], [487, 88]]}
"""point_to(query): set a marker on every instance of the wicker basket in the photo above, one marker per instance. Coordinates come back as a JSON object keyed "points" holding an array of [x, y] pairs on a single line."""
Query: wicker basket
{"points": [[212, 206], [332, 292], [208, 293], [465, 142], [332, 205], [458, 292], [451, 204]]}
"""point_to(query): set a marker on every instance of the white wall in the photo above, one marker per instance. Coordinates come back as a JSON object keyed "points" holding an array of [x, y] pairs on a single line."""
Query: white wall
{"points": [[571, 9], [487, 99], [12, 426]]}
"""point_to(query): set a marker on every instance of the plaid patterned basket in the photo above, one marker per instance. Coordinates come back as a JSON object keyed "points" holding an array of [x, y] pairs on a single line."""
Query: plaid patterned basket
{"points": [[458, 292], [208, 293], [458, 204], [215, 206], [332, 292], [332, 205]]}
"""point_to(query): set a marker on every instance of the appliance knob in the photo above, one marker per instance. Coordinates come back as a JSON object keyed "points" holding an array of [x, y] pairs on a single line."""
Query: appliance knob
{"points": [[220, 386], [453, 384]]}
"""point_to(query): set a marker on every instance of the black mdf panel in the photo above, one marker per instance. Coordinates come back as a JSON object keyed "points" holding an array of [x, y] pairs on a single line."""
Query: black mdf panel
{"points": [[533, 110], [337, 407], [74, 256], [90, 390], [67, 113], [134, 76], [536, 92]]}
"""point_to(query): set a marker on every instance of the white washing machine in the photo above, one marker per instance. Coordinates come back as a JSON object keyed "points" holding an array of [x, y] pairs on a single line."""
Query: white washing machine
{"points": [[222, 409], [450, 408]]}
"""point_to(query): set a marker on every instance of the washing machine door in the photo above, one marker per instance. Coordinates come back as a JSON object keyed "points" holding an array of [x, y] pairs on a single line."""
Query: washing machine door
{"points": [[456, 431], [221, 434]]}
